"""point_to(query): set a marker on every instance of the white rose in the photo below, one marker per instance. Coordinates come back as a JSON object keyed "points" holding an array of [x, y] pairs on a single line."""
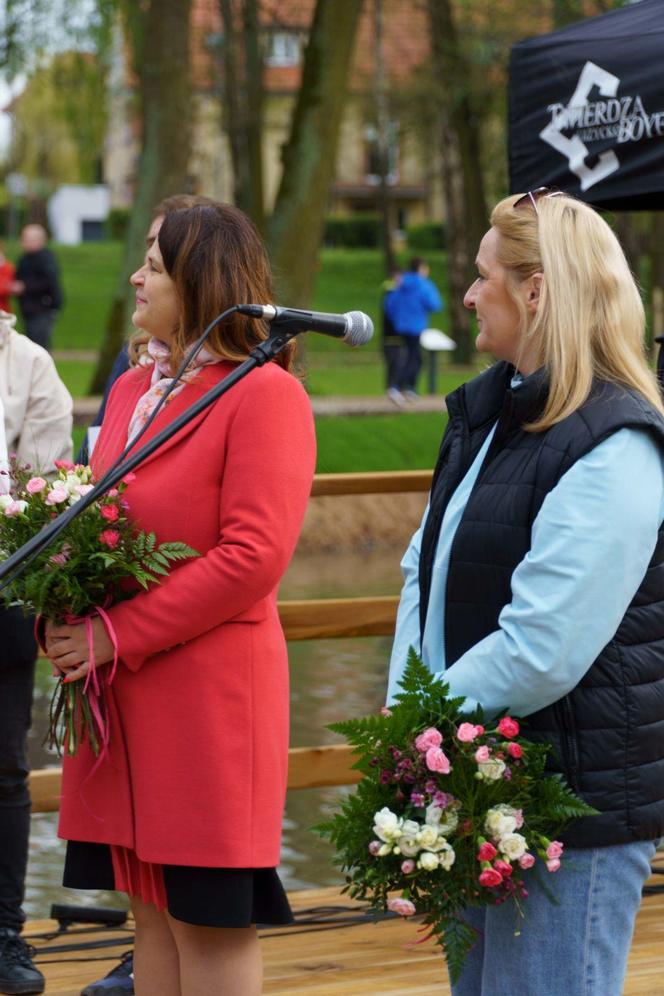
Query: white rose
{"points": [[433, 814], [491, 770], [409, 844], [410, 828], [386, 825], [428, 861], [446, 857], [71, 482], [513, 846], [439, 844], [384, 850], [21, 505], [449, 823], [497, 824], [4, 501], [428, 835]]}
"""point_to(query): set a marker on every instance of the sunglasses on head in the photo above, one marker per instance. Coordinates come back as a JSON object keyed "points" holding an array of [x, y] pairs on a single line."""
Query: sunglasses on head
{"points": [[533, 196]]}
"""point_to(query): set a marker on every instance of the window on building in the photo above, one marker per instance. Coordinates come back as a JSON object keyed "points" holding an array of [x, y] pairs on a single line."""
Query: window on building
{"points": [[283, 49]]}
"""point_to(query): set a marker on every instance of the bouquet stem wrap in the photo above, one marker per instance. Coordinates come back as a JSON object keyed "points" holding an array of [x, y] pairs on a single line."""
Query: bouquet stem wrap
{"points": [[78, 709]]}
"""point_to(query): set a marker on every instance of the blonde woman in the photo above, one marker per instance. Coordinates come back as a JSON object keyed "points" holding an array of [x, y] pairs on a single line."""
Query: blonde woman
{"points": [[536, 581]]}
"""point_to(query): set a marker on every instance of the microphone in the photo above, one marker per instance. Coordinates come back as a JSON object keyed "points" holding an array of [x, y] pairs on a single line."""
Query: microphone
{"points": [[354, 327]]}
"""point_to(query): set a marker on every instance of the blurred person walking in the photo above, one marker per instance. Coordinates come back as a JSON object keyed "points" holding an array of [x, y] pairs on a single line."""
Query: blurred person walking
{"points": [[408, 308], [37, 286]]}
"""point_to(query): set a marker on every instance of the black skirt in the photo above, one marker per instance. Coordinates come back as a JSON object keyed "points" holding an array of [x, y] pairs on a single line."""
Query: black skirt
{"points": [[205, 897]]}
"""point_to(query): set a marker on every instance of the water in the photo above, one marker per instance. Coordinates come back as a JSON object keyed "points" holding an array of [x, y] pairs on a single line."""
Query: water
{"points": [[330, 680]]}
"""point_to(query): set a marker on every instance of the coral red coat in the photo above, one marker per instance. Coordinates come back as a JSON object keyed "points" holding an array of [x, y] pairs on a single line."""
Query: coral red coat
{"points": [[199, 706]]}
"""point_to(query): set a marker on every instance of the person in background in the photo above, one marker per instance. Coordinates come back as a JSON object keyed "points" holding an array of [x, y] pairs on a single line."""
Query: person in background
{"points": [[7, 274], [176, 202], [536, 581], [36, 425], [37, 286], [408, 308], [193, 836], [392, 342]]}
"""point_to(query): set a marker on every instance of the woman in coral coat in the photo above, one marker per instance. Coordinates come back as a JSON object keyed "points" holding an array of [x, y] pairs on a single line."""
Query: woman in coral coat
{"points": [[185, 812]]}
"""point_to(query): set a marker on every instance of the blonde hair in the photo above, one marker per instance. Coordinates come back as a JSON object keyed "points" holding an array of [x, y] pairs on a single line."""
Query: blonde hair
{"points": [[590, 320]]}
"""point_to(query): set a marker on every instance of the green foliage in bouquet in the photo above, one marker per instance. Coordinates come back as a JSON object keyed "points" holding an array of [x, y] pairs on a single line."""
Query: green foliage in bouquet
{"points": [[449, 813], [94, 560], [99, 559]]}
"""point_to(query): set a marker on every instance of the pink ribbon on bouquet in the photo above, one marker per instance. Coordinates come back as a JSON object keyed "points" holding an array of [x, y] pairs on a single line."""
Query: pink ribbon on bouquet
{"points": [[92, 688]]}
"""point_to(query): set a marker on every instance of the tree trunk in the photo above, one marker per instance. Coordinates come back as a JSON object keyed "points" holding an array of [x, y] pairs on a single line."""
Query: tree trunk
{"points": [[158, 36], [467, 218], [382, 127], [309, 157], [243, 104]]}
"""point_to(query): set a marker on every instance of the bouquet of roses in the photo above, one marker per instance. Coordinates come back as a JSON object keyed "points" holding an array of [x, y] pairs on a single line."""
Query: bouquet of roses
{"points": [[449, 812], [100, 558]]}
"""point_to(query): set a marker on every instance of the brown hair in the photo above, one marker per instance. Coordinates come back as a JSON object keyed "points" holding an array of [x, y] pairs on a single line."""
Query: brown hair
{"points": [[216, 258], [178, 202]]}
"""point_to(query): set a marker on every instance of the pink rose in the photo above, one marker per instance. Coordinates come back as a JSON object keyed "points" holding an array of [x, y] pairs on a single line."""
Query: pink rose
{"points": [[113, 493], [110, 538], [508, 727], [482, 754], [13, 508], [526, 860], [56, 496], [487, 852], [555, 849], [503, 867], [490, 878], [403, 907], [60, 559], [64, 465], [82, 489], [375, 846], [553, 865], [437, 760], [110, 513], [467, 732], [128, 478], [408, 867], [430, 738], [515, 750], [35, 485], [518, 816]]}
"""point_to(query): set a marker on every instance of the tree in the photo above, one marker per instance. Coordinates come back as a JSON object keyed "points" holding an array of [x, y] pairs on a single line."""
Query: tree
{"points": [[309, 157], [466, 213], [157, 34], [243, 104], [60, 122]]}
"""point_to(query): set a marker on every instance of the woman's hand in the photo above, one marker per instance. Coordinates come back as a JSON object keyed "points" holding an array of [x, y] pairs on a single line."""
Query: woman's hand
{"points": [[67, 648]]}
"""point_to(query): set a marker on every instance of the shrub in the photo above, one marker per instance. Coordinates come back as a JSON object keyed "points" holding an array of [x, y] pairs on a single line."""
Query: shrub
{"points": [[429, 235], [359, 231], [116, 223]]}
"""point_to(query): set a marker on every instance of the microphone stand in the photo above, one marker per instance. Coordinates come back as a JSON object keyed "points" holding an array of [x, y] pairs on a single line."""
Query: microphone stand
{"points": [[261, 354]]}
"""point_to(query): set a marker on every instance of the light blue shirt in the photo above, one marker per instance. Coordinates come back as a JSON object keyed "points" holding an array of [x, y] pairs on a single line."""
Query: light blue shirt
{"points": [[591, 543]]}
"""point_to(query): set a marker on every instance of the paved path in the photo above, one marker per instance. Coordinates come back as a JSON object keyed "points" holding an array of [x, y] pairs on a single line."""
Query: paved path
{"points": [[86, 408]]}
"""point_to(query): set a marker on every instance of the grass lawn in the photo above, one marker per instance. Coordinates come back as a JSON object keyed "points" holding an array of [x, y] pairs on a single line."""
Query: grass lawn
{"points": [[348, 444]]}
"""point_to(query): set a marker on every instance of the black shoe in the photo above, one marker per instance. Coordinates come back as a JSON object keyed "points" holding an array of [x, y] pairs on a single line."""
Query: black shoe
{"points": [[18, 976], [118, 982]]}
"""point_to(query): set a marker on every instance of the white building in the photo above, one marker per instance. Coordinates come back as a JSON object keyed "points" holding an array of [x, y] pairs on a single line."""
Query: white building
{"points": [[76, 213]]}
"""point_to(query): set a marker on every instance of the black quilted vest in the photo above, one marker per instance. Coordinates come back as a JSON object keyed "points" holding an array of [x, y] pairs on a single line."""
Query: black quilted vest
{"points": [[608, 733]]}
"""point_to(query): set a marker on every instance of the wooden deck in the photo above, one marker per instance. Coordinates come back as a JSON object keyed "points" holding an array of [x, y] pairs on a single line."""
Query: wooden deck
{"points": [[337, 955]]}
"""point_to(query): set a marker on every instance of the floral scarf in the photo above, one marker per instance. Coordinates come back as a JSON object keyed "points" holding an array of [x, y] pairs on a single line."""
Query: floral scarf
{"points": [[162, 375]]}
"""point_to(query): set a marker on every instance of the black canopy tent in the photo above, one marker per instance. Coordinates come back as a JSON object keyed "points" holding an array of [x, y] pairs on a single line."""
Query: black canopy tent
{"points": [[586, 109]]}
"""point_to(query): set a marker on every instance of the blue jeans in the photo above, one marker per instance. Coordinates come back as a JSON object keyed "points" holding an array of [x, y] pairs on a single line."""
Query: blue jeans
{"points": [[576, 948]]}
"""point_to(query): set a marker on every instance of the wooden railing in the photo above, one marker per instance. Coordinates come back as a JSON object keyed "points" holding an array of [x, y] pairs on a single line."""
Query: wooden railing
{"points": [[314, 619]]}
